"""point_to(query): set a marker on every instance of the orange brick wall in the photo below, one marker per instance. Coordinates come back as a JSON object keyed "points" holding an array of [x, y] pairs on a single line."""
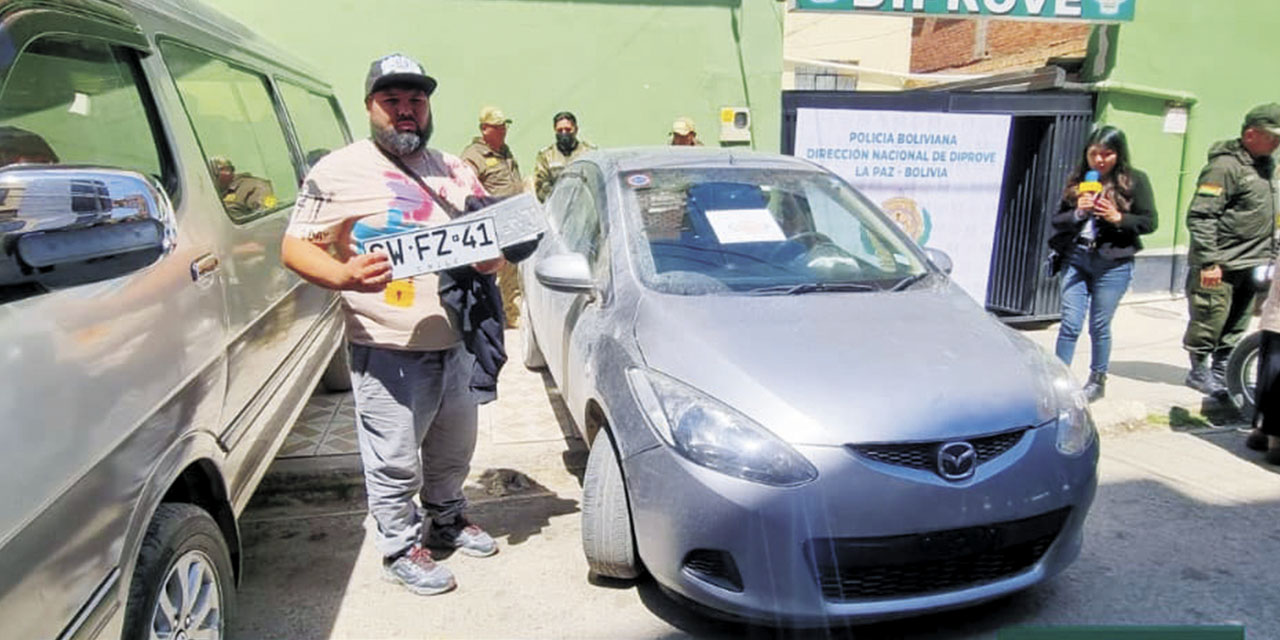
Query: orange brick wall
{"points": [[948, 44]]}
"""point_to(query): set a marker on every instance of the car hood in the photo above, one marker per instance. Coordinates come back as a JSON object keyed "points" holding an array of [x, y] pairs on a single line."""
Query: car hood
{"points": [[837, 368]]}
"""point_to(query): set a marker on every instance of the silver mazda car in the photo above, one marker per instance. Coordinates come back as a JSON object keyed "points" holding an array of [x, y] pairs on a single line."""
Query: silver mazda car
{"points": [[795, 417]]}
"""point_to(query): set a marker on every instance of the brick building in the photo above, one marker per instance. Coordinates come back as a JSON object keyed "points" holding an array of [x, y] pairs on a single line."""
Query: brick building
{"points": [[992, 46]]}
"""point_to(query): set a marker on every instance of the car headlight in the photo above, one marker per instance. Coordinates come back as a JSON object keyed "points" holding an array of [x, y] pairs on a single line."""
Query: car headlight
{"points": [[1075, 425], [710, 433], [1061, 400]]}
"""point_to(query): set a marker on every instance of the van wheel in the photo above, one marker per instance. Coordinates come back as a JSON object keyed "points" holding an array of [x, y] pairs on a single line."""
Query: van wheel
{"points": [[337, 375], [182, 585], [607, 539], [532, 355]]}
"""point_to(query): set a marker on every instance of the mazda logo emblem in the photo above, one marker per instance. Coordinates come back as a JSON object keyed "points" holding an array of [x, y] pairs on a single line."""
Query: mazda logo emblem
{"points": [[957, 460]]}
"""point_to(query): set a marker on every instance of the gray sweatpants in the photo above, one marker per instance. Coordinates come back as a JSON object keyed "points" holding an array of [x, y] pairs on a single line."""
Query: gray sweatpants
{"points": [[416, 423]]}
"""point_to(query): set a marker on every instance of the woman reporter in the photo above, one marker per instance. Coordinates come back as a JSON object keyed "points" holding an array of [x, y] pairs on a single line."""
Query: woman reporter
{"points": [[1096, 238]]}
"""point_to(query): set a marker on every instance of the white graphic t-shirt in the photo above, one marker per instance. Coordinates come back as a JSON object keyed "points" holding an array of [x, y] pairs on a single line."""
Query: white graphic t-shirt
{"points": [[356, 193]]}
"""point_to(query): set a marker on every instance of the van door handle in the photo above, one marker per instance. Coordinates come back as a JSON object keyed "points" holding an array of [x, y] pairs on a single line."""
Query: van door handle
{"points": [[203, 267]]}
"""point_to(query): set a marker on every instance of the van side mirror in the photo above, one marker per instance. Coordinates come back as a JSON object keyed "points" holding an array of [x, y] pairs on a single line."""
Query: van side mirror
{"points": [[66, 226]]}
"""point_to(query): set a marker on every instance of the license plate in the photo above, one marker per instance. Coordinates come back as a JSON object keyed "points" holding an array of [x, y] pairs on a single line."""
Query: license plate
{"points": [[438, 248]]}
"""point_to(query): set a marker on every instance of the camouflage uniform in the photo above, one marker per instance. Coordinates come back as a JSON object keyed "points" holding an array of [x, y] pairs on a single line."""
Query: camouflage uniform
{"points": [[500, 176], [248, 194], [1232, 222], [549, 165]]}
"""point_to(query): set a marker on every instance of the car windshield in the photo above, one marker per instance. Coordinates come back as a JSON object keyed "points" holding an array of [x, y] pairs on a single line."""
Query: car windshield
{"points": [[734, 229]]}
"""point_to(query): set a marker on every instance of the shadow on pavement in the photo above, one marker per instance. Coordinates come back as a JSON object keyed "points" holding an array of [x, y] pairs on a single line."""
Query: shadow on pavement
{"points": [[1152, 556], [1148, 371], [296, 571], [576, 450]]}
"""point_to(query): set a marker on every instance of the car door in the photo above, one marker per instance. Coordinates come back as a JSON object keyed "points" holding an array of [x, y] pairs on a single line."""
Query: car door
{"points": [[253, 171], [101, 378], [586, 232], [575, 228]]}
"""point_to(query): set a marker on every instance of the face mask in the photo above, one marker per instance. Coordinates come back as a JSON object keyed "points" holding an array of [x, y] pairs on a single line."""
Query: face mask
{"points": [[566, 142]]}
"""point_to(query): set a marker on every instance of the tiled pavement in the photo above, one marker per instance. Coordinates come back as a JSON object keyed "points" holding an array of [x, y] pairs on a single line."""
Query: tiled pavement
{"points": [[528, 412], [326, 427]]}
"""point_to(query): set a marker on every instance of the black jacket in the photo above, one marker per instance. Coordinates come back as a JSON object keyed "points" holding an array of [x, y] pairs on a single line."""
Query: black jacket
{"points": [[473, 298], [1114, 241]]}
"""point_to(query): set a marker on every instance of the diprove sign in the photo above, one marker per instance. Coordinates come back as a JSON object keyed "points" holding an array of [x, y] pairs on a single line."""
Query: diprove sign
{"points": [[1056, 10]]}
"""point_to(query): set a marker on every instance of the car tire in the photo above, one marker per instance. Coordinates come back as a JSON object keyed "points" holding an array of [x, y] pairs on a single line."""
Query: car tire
{"points": [[532, 354], [1242, 374], [181, 539], [337, 375], [607, 538]]}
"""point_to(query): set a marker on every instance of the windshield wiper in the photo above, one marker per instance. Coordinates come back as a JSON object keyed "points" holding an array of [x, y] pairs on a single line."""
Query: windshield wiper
{"points": [[908, 281], [811, 287]]}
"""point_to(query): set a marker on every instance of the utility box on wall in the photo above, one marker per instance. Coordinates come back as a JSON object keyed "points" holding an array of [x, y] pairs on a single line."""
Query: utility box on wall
{"points": [[735, 124]]}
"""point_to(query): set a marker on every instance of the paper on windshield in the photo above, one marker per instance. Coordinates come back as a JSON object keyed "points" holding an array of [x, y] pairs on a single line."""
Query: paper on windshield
{"points": [[733, 226]]}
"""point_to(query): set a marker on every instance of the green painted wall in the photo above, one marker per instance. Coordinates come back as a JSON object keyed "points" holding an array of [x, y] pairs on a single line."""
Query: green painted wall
{"points": [[1222, 53], [627, 68]]}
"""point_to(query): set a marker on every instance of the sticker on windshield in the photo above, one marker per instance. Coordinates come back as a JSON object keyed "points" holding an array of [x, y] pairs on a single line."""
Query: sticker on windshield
{"points": [[638, 180], [732, 226]]}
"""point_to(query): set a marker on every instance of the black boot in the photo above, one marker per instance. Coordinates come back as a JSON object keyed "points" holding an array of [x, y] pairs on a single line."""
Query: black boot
{"points": [[1219, 370], [1096, 387], [1257, 440], [1273, 449], [1201, 377]]}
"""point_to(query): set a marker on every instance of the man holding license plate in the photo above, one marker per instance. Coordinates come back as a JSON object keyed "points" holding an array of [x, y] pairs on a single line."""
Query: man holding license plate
{"points": [[374, 222]]}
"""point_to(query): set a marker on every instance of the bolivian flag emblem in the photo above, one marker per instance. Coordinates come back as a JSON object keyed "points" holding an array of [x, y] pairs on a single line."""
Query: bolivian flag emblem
{"points": [[1208, 189]]}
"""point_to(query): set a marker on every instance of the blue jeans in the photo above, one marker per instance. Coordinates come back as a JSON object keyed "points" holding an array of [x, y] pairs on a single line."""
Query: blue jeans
{"points": [[1096, 284]]}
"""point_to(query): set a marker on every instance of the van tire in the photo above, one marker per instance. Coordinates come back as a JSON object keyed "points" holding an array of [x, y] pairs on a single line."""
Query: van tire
{"points": [[179, 532], [607, 538], [1242, 374], [337, 375]]}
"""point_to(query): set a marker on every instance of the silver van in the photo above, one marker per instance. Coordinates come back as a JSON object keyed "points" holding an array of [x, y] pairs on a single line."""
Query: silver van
{"points": [[153, 350]]}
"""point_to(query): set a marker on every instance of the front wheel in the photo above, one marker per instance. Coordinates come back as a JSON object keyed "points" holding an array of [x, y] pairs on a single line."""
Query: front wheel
{"points": [[182, 585], [607, 538], [1242, 374]]}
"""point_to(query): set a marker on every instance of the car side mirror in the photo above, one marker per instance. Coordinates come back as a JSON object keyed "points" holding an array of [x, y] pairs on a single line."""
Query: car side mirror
{"points": [[66, 226], [566, 273], [940, 259]]}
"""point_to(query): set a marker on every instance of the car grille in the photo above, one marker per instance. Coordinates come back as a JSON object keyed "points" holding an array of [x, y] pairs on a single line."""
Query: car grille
{"points": [[924, 455], [866, 568]]}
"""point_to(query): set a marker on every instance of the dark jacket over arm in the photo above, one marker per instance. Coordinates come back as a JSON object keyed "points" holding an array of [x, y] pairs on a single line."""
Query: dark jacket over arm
{"points": [[1114, 241]]}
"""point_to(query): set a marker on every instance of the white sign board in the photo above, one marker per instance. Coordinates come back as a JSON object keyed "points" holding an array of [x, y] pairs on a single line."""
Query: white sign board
{"points": [[938, 175]]}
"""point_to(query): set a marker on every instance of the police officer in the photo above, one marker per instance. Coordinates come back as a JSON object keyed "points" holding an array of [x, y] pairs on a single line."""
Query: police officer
{"points": [[1232, 222], [492, 160], [241, 193], [552, 159], [684, 134]]}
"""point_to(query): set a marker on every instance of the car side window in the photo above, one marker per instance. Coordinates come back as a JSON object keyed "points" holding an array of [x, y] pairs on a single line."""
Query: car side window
{"points": [[315, 121], [240, 133], [79, 101], [581, 226]]}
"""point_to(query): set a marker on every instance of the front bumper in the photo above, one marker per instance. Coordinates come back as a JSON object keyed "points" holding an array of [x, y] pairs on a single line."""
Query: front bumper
{"points": [[849, 546]]}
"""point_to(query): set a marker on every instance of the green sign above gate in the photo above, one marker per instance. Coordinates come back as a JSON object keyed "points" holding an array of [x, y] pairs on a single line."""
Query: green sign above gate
{"points": [[1055, 10]]}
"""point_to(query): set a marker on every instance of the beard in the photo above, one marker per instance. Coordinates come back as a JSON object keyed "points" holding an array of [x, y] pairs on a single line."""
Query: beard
{"points": [[402, 143]]}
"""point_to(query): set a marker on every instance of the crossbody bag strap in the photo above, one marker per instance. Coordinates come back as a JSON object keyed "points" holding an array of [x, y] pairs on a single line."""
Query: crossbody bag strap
{"points": [[449, 209]]}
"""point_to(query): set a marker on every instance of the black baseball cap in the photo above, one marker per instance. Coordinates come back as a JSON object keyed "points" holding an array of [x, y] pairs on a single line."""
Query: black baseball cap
{"points": [[397, 68], [1264, 116]]}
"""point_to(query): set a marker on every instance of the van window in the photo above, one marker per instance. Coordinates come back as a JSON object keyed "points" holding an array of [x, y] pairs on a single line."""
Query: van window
{"points": [[78, 102], [240, 133], [315, 121]]}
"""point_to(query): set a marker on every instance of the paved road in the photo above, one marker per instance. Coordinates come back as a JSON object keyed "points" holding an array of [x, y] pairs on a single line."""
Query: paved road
{"points": [[1184, 530]]}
